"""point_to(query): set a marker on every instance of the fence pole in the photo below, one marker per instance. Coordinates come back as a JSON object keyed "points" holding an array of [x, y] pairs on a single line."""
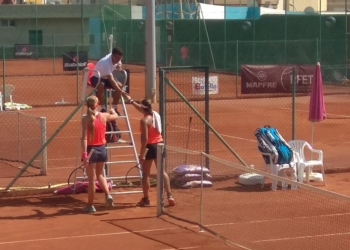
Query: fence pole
{"points": [[285, 30], [160, 179], [207, 112], [237, 70], [43, 140], [77, 88], [293, 104], [54, 53], [320, 45], [201, 197], [346, 38], [126, 50], [317, 51], [19, 139], [3, 76]]}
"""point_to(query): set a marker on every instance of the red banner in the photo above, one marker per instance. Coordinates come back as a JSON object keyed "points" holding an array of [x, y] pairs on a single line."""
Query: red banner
{"points": [[257, 79]]}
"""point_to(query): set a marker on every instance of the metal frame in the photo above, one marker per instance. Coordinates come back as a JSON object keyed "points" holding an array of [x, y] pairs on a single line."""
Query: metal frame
{"points": [[162, 99], [112, 145]]}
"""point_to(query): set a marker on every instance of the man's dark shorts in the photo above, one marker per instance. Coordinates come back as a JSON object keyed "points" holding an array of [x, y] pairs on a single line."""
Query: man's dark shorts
{"points": [[105, 82]]}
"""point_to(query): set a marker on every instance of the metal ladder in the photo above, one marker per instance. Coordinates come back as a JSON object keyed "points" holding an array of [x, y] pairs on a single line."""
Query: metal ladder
{"points": [[120, 144]]}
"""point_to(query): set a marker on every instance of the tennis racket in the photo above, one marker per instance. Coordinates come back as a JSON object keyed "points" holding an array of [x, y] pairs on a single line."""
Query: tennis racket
{"points": [[81, 173], [339, 76], [137, 166], [122, 77]]}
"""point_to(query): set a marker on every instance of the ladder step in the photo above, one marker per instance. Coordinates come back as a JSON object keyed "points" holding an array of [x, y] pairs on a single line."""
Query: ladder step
{"points": [[120, 141], [117, 132], [108, 147], [125, 192], [120, 162], [123, 177]]}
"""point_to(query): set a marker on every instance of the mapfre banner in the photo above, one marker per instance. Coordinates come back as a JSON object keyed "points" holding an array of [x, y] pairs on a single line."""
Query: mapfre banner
{"points": [[257, 79]]}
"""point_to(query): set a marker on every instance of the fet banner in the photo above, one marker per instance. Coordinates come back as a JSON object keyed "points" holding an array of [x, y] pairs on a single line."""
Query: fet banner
{"points": [[257, 79]]}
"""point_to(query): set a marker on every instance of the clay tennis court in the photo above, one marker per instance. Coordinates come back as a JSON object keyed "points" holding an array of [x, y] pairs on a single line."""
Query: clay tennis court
{"points": [[134, 228]]}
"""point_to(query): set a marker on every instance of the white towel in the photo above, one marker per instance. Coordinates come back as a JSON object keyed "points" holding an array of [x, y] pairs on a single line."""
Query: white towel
{"points": [[157, 123]]}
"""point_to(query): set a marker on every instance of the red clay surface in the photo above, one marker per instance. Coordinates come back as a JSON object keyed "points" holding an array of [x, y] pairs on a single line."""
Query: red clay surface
{"points": [[255, 218], [57, 222], [258, 218]]}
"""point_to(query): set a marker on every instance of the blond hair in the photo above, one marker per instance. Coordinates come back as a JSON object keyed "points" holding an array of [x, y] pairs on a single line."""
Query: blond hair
{"points": [[91, 103]]}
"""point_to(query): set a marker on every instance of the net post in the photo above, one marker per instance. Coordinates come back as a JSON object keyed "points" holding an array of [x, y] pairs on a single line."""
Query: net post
{"points": [[160, 178], [43, 140], [201, 195]]}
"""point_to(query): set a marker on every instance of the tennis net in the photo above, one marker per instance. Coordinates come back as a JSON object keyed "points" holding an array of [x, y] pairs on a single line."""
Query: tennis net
{"points": [[21, 135], [237, 204]]}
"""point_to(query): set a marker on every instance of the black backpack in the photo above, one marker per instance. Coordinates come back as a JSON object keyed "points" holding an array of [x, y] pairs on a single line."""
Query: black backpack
{"points": [[111, 126]]}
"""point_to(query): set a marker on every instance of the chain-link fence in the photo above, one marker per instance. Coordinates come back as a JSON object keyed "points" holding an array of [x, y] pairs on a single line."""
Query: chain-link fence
{"points": [[224, 196]]}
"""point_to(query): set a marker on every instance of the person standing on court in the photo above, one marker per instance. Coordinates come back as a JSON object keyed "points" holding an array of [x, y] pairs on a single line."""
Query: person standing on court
{"points": [[93, 138], [184, 55], [105, 66], [151, 128]]}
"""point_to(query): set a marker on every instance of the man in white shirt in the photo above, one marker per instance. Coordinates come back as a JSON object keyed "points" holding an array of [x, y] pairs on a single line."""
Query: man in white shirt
{"points": [[105, 66]]}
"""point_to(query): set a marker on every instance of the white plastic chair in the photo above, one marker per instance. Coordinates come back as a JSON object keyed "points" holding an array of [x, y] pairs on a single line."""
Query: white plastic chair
{"points": [[276, 168], [299, 147], [8, 93]]}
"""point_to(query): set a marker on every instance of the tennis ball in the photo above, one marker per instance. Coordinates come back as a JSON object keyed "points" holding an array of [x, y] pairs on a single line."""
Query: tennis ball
{"points": [[246, 25], [330, 21]]}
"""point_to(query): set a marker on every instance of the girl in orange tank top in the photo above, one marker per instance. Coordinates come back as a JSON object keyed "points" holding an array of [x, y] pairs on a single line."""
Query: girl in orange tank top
{"points": [[151, 129], [93, 140]]}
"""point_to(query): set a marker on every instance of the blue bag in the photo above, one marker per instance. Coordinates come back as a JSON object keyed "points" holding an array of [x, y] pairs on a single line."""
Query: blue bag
{"points": [[270, 141]]}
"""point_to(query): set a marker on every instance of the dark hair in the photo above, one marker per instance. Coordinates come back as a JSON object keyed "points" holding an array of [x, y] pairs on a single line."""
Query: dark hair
{"points": [[146, 105], [117, 51]]}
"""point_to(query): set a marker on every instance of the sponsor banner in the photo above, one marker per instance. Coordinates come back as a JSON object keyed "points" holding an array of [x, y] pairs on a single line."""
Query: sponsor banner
{"points": [[257, 79], [24, 51], [70, 60], [198, 85]]}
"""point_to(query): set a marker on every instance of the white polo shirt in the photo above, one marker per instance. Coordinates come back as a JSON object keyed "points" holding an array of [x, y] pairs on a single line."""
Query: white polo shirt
{"points": [[105, 66]]}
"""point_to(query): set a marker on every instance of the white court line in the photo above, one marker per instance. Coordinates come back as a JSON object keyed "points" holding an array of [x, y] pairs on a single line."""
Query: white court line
{"points": [[183, 248], [302, 237], [273, 220], [85, 236], [223, 135], [307, 111]]}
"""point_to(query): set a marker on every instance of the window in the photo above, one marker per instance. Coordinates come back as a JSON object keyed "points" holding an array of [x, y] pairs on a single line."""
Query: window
{"points": [[35, 37], [7, 23]]}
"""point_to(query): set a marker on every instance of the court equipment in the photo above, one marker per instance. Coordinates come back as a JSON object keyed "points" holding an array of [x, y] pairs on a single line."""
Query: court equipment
{"points": [[251, 178], [79, 171], [270, 141], [339, 76], [137, 166], [120, 144]]}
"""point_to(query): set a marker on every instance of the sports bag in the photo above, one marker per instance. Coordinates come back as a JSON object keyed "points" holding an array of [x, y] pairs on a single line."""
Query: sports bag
{"points": [[270, 141], [111, 126]]}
